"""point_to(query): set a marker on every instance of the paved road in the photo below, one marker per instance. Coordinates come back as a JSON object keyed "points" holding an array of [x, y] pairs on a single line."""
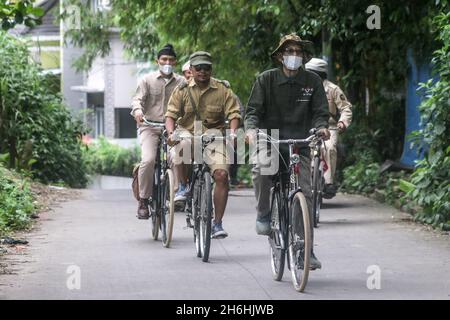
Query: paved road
{"points": [[99, 234]]}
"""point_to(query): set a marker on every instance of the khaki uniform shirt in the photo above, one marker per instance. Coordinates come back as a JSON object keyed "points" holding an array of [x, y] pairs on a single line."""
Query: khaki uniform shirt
{"points": [[337, 103], [215, 104], [152, 95]]}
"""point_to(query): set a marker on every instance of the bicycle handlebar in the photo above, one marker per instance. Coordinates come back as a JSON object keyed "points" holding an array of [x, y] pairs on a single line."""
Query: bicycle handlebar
{"points": [[288, 141], [153, 124]]}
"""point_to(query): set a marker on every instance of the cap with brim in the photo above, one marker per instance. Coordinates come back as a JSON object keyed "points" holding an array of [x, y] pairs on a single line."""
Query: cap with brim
{"points": [[291, 38], [185, 66], [200, 57], [316, 64]]}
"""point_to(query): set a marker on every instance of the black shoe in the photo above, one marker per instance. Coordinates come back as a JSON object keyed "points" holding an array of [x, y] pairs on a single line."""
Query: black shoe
{"points": [[329, 191]]}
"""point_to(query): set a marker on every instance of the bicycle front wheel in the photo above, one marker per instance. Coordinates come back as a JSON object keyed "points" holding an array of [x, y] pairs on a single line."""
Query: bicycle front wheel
{"points": [[154, 207], [206, 216], [168, 207], [316, 190], [277, 238], [300, 241]]}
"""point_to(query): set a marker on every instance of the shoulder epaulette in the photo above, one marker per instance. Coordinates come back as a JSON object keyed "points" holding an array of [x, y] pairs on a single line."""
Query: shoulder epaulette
{"points": [[224, 82], [183, 85]]}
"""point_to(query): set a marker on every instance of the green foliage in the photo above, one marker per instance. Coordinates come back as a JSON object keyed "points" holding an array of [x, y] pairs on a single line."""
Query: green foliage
{"points": [[104, 157], [432, 176], [363, 177], [36, 130], [16, 202], [19, 12]]}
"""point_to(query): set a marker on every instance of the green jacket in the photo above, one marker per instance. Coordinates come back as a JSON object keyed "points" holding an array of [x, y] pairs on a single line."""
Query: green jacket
{"points": [[292, 105]]}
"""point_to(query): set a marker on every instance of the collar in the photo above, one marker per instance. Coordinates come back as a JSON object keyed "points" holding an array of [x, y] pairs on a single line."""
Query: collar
{"points": [[212, 83], [161, 76], [298, 78]]}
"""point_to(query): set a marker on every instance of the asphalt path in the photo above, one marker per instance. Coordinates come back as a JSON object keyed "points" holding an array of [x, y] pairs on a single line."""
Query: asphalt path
{"points": [[93, 247]]}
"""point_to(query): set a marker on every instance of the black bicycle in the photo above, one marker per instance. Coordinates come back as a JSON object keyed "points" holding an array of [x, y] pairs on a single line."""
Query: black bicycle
{"points": [[162, 202], [289, 209], [199, 202]]}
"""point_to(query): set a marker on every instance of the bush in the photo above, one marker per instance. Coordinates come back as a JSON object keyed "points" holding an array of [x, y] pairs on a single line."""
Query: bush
{"points": [[103, 157], [16, 202], [37, 132], [431, 179]]}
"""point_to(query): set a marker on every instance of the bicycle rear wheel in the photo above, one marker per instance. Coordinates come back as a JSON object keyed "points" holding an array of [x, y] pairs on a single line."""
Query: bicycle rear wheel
{"points": [[154, 207], [316, 190], [168, 207], [206, 216], [196, 201], [277, 238], [300, 241]]}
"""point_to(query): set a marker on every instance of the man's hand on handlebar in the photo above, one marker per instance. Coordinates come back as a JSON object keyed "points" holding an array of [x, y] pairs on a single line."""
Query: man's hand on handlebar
{"points": [[138, 116], [250, 136], [324, 133], [172, 140], [341, 126]]}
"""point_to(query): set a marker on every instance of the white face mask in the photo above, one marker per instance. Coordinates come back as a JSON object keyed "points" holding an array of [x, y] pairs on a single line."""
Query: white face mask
{"points": [[292, 62], [166, 69]]}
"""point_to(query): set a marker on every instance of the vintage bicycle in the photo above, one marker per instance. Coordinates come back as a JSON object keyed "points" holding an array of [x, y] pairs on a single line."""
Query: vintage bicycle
{"points": [[162, 201], [289, 209]]}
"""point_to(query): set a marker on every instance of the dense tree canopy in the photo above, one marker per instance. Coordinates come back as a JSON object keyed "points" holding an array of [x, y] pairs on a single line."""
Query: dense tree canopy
{"points": [[19, 12], [370, 64]]}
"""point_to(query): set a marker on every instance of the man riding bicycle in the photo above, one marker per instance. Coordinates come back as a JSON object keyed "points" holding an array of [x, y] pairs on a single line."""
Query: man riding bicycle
{"points": [[293, 101], [209, 102], [150, 100], [340, 110]]}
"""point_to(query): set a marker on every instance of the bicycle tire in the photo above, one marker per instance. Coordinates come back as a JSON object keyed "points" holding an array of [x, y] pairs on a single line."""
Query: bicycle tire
{"points": [[154, 207], [206, 216], [196, 200], [277, 238], [316, 191], [299, 242], [168, 207]]}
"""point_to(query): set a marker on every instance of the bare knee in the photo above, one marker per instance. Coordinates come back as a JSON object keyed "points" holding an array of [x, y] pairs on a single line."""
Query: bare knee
{"points": [[221, 177]]}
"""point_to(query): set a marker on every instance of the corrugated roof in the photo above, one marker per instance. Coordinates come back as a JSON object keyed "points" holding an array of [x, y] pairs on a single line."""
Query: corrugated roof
{"points": [[49, 26]]}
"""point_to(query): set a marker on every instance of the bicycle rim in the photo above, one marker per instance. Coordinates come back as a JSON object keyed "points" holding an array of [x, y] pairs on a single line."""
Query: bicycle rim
{"points": [[299, 242], [168, 207], [206, 216], [316, 191], [154, 208], [276, 239], [196, 200]]}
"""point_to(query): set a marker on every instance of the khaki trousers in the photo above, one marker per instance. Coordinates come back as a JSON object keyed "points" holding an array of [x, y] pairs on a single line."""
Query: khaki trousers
{"points": [[331, 156], [148, 139]]}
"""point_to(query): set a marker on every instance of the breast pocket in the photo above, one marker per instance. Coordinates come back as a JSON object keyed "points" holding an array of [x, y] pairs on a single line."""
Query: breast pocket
{"points": [[214, 115], [154, 95]]}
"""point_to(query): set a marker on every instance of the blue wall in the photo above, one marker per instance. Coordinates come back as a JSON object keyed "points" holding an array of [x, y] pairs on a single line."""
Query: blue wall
{"points": [[416, 74]]}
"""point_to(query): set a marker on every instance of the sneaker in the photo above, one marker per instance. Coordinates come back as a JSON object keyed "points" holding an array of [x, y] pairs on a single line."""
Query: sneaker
{"points": [[143, 212], [218, 232], [329, 191], [181, 193], [314, 263], [263, 228]]}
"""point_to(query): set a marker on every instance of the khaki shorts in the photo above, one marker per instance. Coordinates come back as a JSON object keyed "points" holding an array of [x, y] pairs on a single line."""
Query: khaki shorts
{"points": [[216, 155]]}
